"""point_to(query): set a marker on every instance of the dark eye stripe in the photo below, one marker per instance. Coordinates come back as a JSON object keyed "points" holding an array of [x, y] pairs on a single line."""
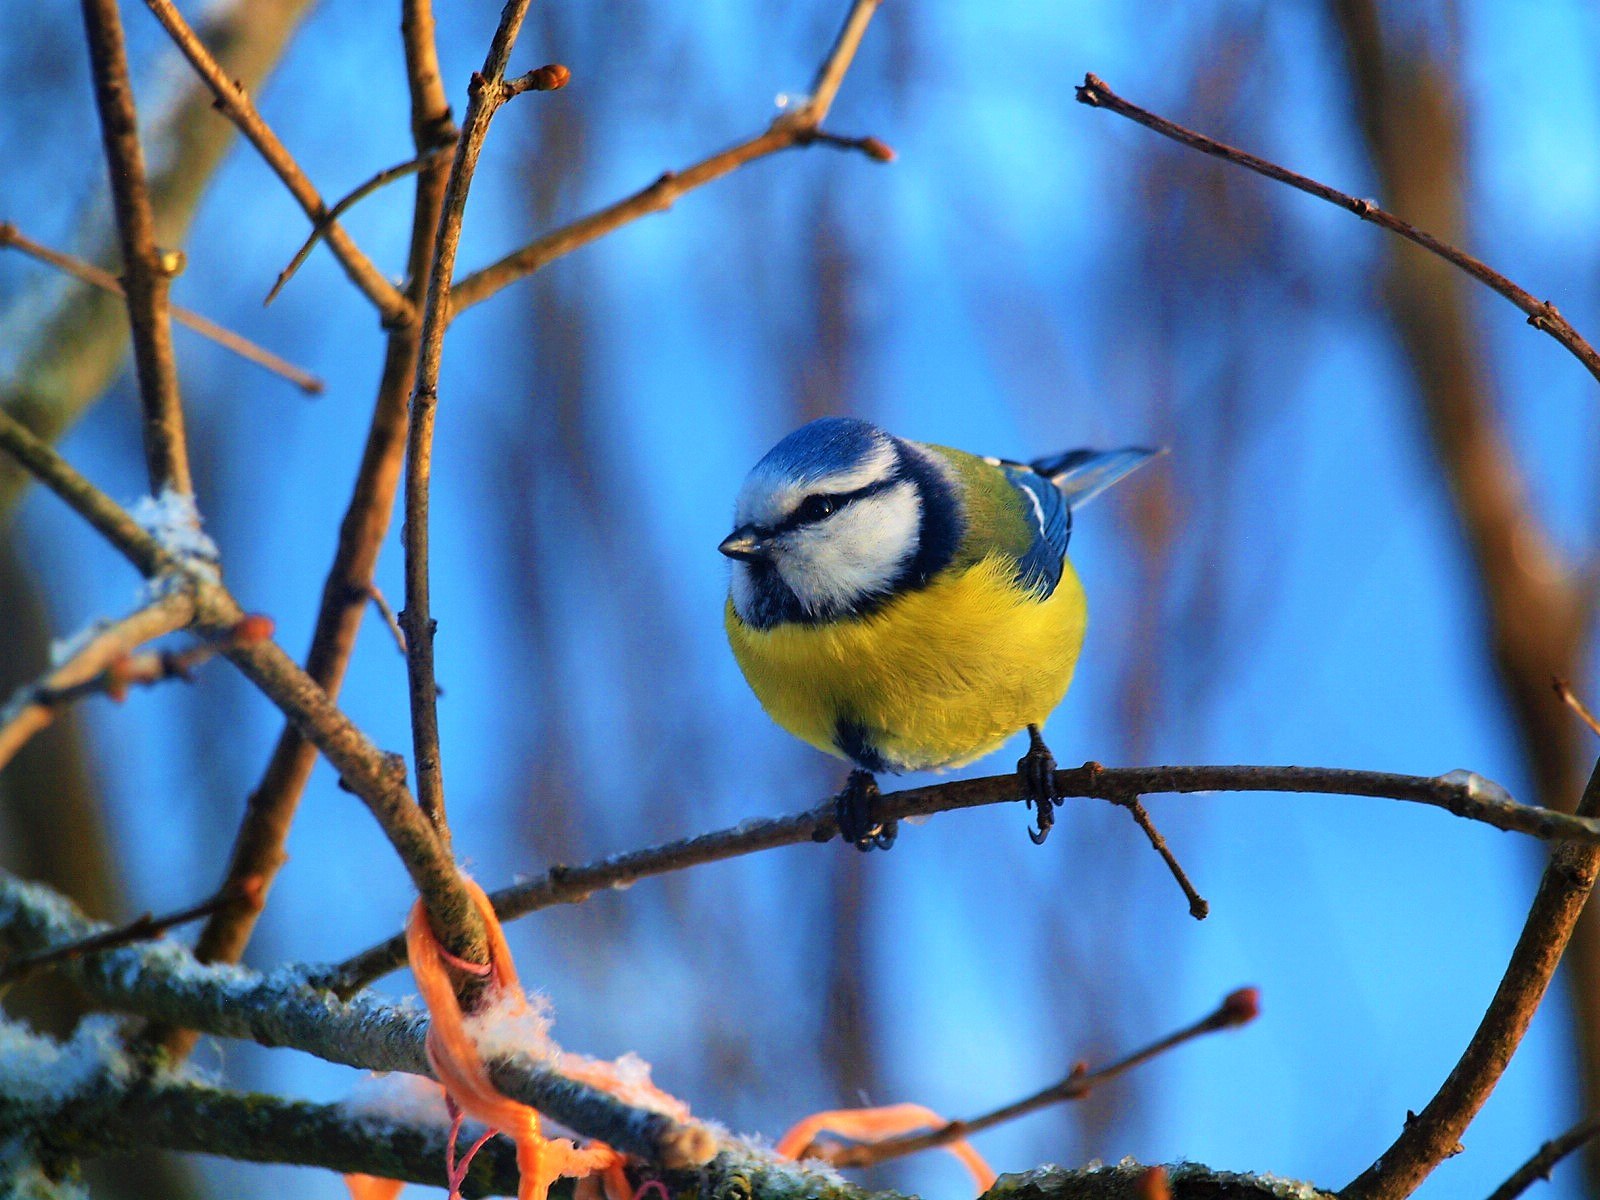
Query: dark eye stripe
{"points": [[838, 500]]}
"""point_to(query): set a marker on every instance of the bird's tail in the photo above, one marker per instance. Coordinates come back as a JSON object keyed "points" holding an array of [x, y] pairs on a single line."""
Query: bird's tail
{"points": [[1085, 474], [1081, 475]]}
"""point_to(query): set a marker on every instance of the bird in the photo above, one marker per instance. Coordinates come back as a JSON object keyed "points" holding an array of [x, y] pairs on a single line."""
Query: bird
{"points": [[907, 606]]}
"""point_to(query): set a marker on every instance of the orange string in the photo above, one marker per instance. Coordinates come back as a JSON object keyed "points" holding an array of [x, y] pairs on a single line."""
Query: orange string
{"points": [[876, 1124], [453, 1054]]}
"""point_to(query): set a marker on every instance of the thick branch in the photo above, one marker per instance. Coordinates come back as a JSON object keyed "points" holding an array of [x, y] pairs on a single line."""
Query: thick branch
{"points": [[1432, 1136], [237, 106], [379, 779], [801, 127], [1460, 792], [161, 980], [1542, 314], [147, 270]]}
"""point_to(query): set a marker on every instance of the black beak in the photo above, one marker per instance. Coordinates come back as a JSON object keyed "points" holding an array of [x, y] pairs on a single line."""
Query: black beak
{"points": [[747, 544]]}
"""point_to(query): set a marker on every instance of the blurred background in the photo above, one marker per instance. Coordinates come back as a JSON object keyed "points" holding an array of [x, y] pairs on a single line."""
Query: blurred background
{"points": [[1371, 546]]}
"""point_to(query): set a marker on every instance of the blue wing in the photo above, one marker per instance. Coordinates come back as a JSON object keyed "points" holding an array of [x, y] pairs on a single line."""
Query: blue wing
{"points": [[1050, 489], [1039, 568]]}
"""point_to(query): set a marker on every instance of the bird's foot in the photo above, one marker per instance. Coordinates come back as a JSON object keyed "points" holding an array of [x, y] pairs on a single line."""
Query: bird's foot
{"points": [[857, 824], [1036, 776]]}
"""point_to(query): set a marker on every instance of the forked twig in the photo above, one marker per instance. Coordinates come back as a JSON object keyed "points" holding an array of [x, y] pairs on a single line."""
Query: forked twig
{"points": [[236, 105], [380, 180], [797, 128]]}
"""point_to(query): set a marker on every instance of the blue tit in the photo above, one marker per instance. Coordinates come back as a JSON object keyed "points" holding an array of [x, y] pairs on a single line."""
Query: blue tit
{"points": [[909, 607]]}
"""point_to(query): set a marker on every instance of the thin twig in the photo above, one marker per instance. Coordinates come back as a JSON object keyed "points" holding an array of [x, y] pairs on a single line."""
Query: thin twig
{"points": [[487, 93], [1570, 699], [1198, 908], [798, 128], [236, 105], [87, 272], [147, 270], [34, 706], [1544, 1160], [1541, 314], [382, 179], [389, 619], [143, 928], [258, 848], [1435, 1132], [1239, 1007], [1462, 793]]}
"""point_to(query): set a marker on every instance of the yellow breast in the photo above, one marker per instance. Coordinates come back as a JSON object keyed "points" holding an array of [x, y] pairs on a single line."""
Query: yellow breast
{"points": [[935, 678]]}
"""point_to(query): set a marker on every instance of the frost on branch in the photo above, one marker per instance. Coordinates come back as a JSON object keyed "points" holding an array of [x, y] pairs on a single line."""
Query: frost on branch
{"points": [[174, 521]]}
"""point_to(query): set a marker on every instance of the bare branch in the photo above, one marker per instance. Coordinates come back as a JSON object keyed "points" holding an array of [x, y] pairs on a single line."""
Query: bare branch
{"points": [[1570, 699], [1542, 315], [87, 272], [801, 127], [147, 270], [236, 105], [1238, 1008], [488, 92], [74, 345], [35, 706], [1436, 1131], [1460, 792], [88, 501], [380, 180], [1546, 1157], [258, 846]]}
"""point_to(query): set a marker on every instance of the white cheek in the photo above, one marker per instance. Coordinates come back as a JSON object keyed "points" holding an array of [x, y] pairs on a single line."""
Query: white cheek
{"points": [[856, 553], [743, 592]]}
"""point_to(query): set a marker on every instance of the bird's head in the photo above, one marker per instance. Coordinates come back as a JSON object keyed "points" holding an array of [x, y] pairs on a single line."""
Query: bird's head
{"points": [[835, 518]]}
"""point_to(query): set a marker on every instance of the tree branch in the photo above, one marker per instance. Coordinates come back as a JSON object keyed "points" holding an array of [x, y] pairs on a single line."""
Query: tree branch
{"points": [[258, 849], [379, 180], [800, 127], [1544, 1160], [487, 93], [163, 981], [1237, 1008], [107, 516], [147, 271], [1459, 792], [236, 105], [72, 350], [35, 706], [1542, 315], [1436, 1131], [105, 281]]}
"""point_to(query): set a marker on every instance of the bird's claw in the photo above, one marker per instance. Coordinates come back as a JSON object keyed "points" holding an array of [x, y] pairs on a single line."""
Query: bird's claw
{"points": [[857, 824], [1036, 776]]}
